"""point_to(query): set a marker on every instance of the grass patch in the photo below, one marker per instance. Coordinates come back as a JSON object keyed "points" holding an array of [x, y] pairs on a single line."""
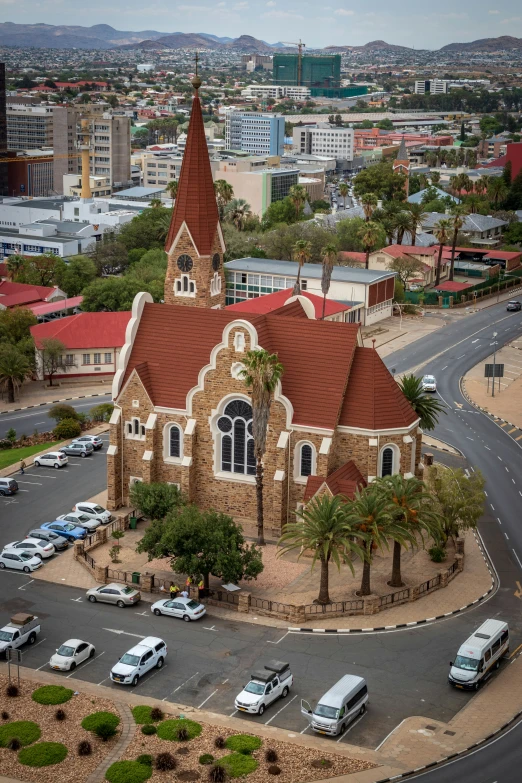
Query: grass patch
{"points": [[143, 714], [10, 456], [243, 743], [168, 730], [52, 694], [96, 719], [43, 754], [24, 730], [237, 764], [128, 772]]}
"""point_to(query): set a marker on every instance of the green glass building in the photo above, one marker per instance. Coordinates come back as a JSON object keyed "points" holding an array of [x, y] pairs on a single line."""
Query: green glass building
{"points": [[316, 70]]}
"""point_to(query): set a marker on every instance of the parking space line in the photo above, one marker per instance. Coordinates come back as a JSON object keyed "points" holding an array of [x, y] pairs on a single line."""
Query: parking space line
{"points": [[208, 697], [281, 710], [148, 678], [181, 686], [352, 725], [41, 475], [305, 729], [91, 660], [34, 483]]}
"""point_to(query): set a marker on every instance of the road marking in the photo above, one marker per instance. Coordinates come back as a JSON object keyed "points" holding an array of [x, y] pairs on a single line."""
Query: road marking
{"points": [[486, 494], [487, 447], [507, 537], [279, 640], [475, 341], [519, 437], [492, 506], [517, 557], [513, 430], [205, 628], [181, 686], [500, 458], [379, 746], [504, 425], [281, 710], [445, 368], [468, 438], [208, 697], [352, 725], [86, 663], [142, 614], [305, 729], [132, 690], [520, 645], [233, 713], [499, 522], [458, 404], [34, 483], [78, 600], [24, 586], [114, 630], [37, 643], [460, 357], [105, 680]]}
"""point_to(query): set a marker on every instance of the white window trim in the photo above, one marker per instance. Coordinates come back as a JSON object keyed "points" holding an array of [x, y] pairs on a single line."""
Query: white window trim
{"points": [[215, 284], [396, 468], [221, 475], [297, 461], [131, 435], [166, 443], [186, 294]]}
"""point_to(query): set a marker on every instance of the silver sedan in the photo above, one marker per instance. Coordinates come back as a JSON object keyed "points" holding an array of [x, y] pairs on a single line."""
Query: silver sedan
{"points": [[121, 595]]}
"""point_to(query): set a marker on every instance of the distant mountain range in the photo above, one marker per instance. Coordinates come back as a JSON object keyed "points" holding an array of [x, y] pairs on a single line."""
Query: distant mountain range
{"points": [[245, 43], [486, 45]]}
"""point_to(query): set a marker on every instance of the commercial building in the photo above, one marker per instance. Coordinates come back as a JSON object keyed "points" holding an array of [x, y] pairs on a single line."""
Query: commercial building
{"points": [[256, 62], [276, 92], [256, 181], [3, 134], [160, 169], [30, 177], [259, 134], [337, 142], [54, 237], [431, 86], [307, 70], [30, 127], [99, 186]]}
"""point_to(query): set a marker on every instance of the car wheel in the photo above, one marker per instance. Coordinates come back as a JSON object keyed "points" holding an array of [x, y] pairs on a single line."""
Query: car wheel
{"points": [[343, 728], [159, 664], [32, 638], [157, 612], [72, 667], [92, 653], [2, 565], [2, 492], [497, 665], [83, 454], [362, 710], [261, 709], [476, 686], [284, 693], [92, 599], [186, 618], [120, 604], [36, 463], [56, 465], [27, 569], [135, 680]]}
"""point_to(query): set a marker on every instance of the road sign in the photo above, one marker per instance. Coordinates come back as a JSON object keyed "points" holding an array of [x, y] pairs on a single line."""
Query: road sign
{"points": [[15, 657], [493, 371]]}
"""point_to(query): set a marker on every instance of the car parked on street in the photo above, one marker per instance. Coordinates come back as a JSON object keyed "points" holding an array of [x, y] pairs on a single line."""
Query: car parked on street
{"points": [[513, 306], [8, 486], [66, 529], [150, 653], [76, 449], [58, 541], [20, 561], [94, 511], [121, 595], [32, 546], [52, 459], [95, 440], [429, 384], [70, 654], [81, 520], [185, 608]]}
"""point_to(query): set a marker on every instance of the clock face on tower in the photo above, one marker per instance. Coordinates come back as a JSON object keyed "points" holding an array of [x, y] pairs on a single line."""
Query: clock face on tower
{"points": [[185, 263], [216, 262]]}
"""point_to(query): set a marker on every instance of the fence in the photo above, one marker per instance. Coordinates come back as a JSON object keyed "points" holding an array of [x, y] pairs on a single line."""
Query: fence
{"points": [[123, 576], [337, 607], [88, 559], [270, 606], [217, 597], [430, 584], [395, 598]]}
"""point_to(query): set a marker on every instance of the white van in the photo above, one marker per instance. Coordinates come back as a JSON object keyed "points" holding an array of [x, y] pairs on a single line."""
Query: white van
{"points": [[339, 706], [479, 654]]}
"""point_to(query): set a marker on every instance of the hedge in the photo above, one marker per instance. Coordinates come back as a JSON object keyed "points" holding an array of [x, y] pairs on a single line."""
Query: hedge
{"points": [[25, 731], [43, 754], [52, 694], [168, 730], [237, 764], [243, 743], [128, 772], [96, 719]]}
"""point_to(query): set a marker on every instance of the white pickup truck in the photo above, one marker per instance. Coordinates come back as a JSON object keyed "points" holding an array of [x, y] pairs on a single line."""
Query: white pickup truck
{"points": [[22, 628], [265, 686]]}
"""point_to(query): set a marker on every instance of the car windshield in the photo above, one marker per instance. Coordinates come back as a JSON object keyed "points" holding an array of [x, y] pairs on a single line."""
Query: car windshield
{"points": [[325, 712], [68, 526], [127, 590], [468, 664], [98, 510], [429, 379], [25, 556], [6, 636], [82, 518], [66, 650], [192, 604], [255, 687], [130, 660]]}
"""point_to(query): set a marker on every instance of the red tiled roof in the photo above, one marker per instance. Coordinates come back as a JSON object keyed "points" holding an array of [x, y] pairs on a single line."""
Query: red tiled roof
{"points": [[503, 255], [7, 289], [85, 330], [293, 310], [270, 302], [452, 285], [373, 400], [195, 200], [401, 250], [52, 307], [347, 255], [343, 481]]}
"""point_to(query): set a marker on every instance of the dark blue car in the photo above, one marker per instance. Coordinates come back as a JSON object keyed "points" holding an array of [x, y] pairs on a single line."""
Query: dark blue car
{"points": [[66, 529]]}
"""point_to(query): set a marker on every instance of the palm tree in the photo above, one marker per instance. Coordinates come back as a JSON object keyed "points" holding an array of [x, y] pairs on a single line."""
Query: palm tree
{"points": [[224, 194], [261, 373], [172, 188], [465, 183], [14, 369], [369, 513], [298, 195], [343, 192], [368, 203], [155, 203], [163, 224], [369, 235], [302, 252], [481, 185], [404, 221], [473, 203], [237, 212], [419, 215], [15, 265], [442, 230], [329, 253], [322, 527], [435, 177], [497, 190], [426, 408], [459, 212]]}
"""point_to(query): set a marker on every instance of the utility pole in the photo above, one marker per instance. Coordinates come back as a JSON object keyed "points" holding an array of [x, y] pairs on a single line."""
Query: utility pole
{"points": [[494, 361]]}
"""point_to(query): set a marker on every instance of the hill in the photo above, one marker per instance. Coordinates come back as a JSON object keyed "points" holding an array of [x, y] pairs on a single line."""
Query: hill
{"points": [[486, 45], [47, 36]]}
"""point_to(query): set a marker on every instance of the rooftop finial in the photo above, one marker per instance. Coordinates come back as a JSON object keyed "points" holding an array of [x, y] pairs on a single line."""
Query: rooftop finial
{"points": [[196, 81]]}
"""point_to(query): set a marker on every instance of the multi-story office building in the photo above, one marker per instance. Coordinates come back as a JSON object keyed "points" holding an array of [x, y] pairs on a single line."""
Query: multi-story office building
{"points": [[433, 86], [276, 92], [257, 181], [30, 127], [160, 169], [3, 134], [337, 142], [260, 134], [308, 70], [257, 62]]}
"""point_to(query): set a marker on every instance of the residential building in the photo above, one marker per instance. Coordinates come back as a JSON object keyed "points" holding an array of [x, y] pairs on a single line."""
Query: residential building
{"points": [[254, 132], [513, 154], [431, 86], [313, 305], [324, 140], [160, 169], [24, 295], [427, 256], [256, 62], [255, 181], [30, 127], [92, 341], [494, 147], [275, 92], [482, 230]]}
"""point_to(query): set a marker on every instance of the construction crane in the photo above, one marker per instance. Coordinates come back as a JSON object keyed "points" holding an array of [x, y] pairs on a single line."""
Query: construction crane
{"points": [[300, 46], [34, 158]]}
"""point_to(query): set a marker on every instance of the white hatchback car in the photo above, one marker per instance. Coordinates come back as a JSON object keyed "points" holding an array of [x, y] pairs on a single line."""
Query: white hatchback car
{"points": [[33, 546], [94, 511], [185, 608], [429, 384], [20, 561], [70, 654], [52, 459], [149, 653], [80, 520]]}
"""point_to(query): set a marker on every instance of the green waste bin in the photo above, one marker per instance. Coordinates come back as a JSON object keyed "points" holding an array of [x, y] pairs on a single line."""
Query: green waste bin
{"points": [[133, 521], [136, 577]]}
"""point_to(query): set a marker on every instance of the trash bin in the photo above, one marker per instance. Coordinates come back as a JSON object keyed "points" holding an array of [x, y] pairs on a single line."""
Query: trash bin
{"points": [[136, 577], [133, 521]]}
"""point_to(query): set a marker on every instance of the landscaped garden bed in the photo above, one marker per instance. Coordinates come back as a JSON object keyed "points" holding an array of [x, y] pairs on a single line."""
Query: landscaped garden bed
{"points": [[41, 731]]}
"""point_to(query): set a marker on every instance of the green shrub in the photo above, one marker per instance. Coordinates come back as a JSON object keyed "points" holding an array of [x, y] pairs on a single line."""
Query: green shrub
{"points": [[168, 730], [239, 764], [243, 743], [60, 412], [206, 758], [128, 772], [102, 412], [91, 722], [24, 730], [437, 554], [5, 444], [67, 428], [43, 754], [105, 731], [145, 758], [142, 713], [11, 435], [52, 694], [148, 728]]}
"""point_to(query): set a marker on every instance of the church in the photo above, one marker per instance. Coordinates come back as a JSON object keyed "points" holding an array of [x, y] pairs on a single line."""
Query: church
{"points": [[183, 414]]}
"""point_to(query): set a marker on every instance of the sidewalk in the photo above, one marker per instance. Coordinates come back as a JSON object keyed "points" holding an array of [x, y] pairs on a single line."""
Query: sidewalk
{"points": [[506, 402], [36, 393]]}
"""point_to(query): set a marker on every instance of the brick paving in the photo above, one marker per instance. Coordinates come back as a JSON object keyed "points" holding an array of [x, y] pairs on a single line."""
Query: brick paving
{"points": [[128, 729]]}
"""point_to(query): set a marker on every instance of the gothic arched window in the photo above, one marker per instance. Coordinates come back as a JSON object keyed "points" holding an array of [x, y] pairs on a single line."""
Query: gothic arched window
{"points": [[237, 442]]}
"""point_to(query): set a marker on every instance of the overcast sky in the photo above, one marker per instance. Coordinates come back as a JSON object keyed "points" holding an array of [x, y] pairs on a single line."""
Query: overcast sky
{"points": [[414, 23]]}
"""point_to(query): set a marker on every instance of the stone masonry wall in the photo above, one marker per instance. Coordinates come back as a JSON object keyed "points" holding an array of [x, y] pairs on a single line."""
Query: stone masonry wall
{"points": [[201, 273]]}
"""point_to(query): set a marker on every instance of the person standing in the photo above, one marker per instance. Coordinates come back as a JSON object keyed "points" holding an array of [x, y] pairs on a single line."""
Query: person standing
{"points": [[22, 467]]}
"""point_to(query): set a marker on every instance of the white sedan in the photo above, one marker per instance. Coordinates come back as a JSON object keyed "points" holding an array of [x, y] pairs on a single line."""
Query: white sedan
{"points": [[185, 608], [20, 561], [94, 511], [70, 654], [33, 546], [80, 520], [429, 384]]}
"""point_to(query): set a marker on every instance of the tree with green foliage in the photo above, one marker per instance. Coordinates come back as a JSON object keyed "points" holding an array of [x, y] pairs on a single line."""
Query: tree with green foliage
{"points": [[343, 192], [53, 358], [441, 231], [514, 196], [237, 212], [298, 196], [41, 269], [155, 500], [406, 267], [349, 235], [370, 513], [370, 236], [15, 324], [459, 498], [507, 173], [427, 408], [76, 275], [143, 230], [110, 256], [117, 293], [329, 253], [457, 221], [62, 411], [14, 369], [172, 188], [381, 180], [369, 204], [278, 212], [224, 195], [101, 412], [301, 253]]}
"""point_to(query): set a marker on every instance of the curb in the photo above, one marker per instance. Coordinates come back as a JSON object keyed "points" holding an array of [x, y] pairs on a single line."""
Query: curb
{"points": [[441, 448], [485, 411], [52, 402]]}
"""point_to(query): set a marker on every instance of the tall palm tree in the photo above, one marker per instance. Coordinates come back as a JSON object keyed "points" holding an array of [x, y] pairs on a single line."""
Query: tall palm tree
{"points": [[457, 220], [442, 231], [481, 185], [302, 252], [15, 265], [472, 203], [224, 194], [172, 188], [497, 190], [298, 195], [343, 192], [14, 369], [323, 528], [435, 177], [155, 203], [329, 253], [404, 221], [426, 408], [237, 212], [368, 203], [369, 513], [261, 373], [419, 215], [465, 183], [369, 235]]}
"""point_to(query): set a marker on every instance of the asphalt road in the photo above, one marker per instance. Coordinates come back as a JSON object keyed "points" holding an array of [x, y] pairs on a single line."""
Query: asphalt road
{"points": [[27, 421]]}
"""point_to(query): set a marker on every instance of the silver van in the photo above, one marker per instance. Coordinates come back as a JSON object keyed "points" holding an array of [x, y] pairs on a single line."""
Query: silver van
{"points": [[479, 654], [339, 706]]}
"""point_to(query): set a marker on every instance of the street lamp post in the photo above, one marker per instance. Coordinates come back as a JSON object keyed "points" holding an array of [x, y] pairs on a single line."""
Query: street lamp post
{"points": [[494, 361]]}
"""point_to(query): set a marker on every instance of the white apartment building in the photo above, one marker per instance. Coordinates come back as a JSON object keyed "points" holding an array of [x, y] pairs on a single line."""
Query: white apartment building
{"points": [[334, 142], [276, 91], [259, 134], [433, 86]]}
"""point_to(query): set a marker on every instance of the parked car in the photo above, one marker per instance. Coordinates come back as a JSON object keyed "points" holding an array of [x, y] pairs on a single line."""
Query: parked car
{"points": [[416, 287], [81, 520], [20, 561], [66, 529], [76, 449], [513, 306], [22, 628], [186, 608], [121, 595], [70, 654], [94, 511], [59, 542], [32, 546], [149, 653], [95, 440], [8, 486], [53, 459], [265, 686], [429, 383]]}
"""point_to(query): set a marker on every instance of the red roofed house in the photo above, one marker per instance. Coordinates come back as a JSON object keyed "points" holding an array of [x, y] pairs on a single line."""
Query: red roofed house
{"points": [[428, 256], [22, 294], [311, 305], [93, 342], [183, 415]]}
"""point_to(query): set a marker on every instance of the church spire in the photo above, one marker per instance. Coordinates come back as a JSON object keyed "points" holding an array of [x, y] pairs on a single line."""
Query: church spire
{"points": [[402, 154]]}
